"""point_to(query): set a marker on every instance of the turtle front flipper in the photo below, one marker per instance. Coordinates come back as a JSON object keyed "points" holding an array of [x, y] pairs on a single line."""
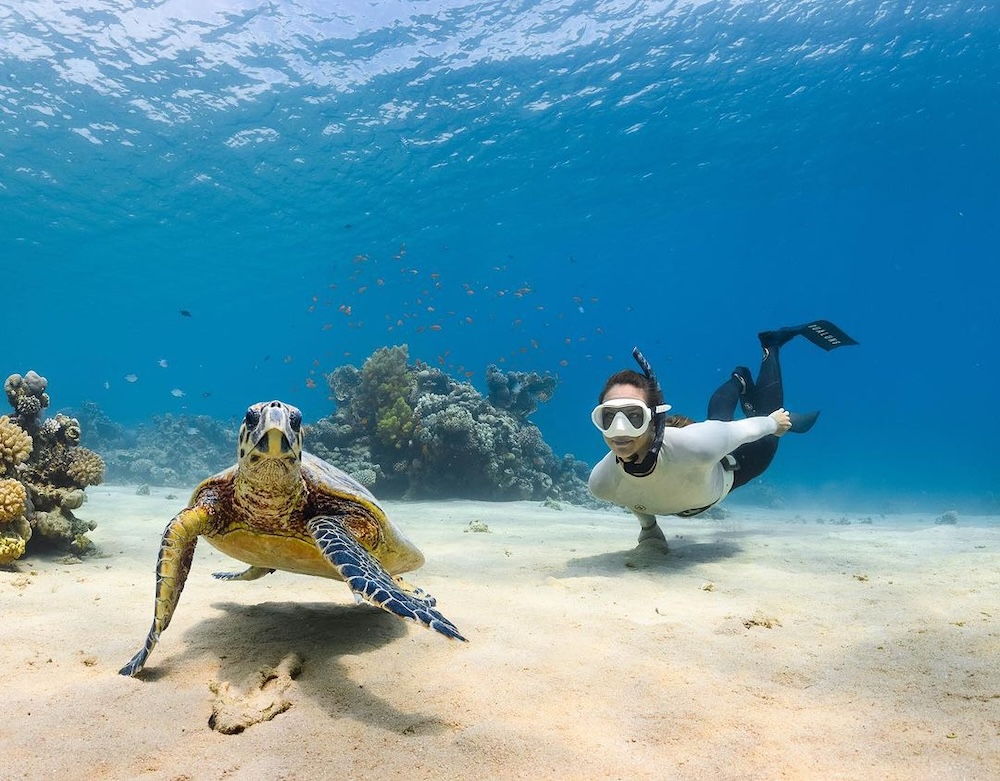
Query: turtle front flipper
{"points": [[370, 581], [250, 573], [172, 567]]}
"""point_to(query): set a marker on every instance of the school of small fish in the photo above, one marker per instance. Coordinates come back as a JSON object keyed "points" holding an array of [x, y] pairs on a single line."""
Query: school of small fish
{"points": [[490, 299]]}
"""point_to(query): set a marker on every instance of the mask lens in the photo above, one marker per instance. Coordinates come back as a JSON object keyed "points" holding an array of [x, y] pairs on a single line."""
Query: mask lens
{"points": [[633, 421], [636, 415]]}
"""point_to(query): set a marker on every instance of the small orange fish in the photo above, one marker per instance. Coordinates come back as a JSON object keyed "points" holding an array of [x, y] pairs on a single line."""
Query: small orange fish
{"points": [[310, 382]]}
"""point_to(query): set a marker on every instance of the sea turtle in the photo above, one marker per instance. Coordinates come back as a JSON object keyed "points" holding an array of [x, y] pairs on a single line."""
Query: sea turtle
{"points": [[280, 507]]}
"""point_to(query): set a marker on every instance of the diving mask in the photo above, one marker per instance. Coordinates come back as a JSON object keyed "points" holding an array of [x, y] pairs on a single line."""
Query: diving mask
{"points": [[624, 417]]}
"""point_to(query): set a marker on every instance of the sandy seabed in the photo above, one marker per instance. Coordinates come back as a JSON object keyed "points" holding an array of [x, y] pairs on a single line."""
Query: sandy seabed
{"points": [[769, 645]]}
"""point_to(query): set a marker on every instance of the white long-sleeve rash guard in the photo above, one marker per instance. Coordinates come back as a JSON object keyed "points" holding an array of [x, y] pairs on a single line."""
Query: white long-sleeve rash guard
{"points": [[688, 473]]}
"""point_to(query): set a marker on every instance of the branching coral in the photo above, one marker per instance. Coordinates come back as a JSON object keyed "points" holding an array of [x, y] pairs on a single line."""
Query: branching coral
{"points": [[385, 389]]}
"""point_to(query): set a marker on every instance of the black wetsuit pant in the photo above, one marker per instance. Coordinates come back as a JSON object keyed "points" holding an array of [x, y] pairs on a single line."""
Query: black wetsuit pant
{"points": [[760, 398]]}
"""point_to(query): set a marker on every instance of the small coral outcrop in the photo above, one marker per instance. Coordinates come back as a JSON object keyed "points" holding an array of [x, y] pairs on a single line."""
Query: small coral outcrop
{"points": [[15, 445], [411, 430], [28, 398], [14, 528], [43, 473]]}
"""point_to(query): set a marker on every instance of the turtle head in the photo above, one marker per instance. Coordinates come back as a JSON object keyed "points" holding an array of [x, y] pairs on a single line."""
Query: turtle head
{"points": [[270, 441]]}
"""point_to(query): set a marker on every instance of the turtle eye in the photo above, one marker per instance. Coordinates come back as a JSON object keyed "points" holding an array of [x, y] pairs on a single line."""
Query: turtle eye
{"points": [[252, 418], [295, 420]]}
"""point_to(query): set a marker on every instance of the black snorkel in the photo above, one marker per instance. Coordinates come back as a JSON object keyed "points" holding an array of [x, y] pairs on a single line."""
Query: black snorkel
{"points": [[644, 467]]}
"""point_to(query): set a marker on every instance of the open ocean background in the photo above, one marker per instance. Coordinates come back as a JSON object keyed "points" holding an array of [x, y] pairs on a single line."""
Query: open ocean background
{"points": [[541, 185]]}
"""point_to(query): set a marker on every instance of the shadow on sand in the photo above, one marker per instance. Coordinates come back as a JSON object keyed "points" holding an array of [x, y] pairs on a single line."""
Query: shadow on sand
{"points": [[249, 638], [650, 558]]}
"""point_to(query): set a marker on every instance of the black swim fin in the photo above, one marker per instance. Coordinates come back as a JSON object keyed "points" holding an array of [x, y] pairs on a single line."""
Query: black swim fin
{"points": [[822, 333], [802, 421]]}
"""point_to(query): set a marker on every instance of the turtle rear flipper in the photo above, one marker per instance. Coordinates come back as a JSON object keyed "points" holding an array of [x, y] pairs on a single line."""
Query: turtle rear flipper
{"points": [[250, 573], [172, 567], [371, 582]]}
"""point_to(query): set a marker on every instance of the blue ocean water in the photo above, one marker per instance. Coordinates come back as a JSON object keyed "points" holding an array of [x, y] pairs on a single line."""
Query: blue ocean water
{"points": [[541, 185]]}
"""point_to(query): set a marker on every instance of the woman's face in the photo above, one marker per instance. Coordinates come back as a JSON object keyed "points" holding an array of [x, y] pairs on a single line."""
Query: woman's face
{"points": [[629, 448]]}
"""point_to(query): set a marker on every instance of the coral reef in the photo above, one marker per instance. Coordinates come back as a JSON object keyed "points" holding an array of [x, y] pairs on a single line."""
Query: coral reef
{"points": [[176, 450], [43, 473], [518, 392], [415, 432]]}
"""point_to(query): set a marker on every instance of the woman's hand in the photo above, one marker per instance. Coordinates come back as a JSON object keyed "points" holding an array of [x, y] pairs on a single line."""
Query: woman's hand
{"points": [[783, 419]]}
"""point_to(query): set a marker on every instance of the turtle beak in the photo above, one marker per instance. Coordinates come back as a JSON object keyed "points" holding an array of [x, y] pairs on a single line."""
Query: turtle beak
{"points": [[274, 444]]}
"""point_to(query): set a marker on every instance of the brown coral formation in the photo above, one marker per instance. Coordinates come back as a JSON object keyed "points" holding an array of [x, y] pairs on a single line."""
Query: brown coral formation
{"points": [[43, 471], [28, 398], [15, 445], [14, 528]]}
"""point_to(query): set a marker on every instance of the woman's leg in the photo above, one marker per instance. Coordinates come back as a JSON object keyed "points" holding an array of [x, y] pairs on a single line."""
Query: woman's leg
{"points": [[762, 399], [768, 395], [753, 458], [722, 405]]}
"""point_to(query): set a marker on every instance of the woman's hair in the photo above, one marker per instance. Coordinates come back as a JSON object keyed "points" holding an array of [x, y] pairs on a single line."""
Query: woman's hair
{"points": [[653, 394]]}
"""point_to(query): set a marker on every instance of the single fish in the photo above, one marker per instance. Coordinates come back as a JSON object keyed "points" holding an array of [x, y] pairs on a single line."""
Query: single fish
{"points": [[185, 313], [131, 377], [177, 392], [107, 385], [162, 363]]}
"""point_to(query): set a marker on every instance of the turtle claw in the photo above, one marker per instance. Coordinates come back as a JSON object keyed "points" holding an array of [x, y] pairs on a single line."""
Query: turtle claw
{"points": [[415, 591], [371, 582], [137, 662]]}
